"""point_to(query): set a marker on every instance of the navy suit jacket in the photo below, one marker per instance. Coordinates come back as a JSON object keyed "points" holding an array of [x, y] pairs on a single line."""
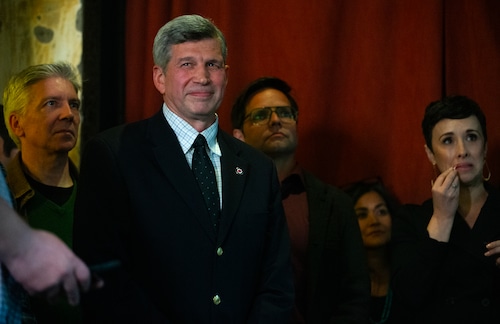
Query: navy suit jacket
{"points": [[338, 282], [138, 202]]}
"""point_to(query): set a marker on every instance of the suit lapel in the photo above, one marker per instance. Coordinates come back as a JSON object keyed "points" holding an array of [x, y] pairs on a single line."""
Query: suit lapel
{"points": [[319, 224], [172, 162], [234, 173], [485, 230], [318, 204]]}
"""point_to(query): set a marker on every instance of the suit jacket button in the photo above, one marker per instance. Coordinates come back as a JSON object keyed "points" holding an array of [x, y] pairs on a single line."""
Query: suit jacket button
{"points": [[220, 251], [485, 302], [216, 300]]}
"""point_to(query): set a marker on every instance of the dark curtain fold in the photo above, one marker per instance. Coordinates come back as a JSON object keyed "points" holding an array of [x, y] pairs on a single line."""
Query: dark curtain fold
{"points": [[103, 64], [362, 73]]}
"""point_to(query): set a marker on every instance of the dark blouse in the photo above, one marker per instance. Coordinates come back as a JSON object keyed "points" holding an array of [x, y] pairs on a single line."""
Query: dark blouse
{"points": [[380, 309], [451, 282]]}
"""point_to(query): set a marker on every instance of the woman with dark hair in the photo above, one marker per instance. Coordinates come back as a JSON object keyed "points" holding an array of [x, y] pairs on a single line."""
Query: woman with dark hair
{"points": [[374, 207], [448, 248]]}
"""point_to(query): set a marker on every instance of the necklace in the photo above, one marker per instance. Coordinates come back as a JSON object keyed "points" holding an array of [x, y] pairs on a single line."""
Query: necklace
{"points": [[387, 309]]}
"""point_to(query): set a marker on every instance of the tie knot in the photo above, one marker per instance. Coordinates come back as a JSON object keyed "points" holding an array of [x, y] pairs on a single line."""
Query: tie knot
{"points": [[200, 141]]}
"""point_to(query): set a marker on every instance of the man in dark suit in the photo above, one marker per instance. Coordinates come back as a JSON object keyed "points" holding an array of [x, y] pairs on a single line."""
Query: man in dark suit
{"points": [[331, 277], [139, 203]]}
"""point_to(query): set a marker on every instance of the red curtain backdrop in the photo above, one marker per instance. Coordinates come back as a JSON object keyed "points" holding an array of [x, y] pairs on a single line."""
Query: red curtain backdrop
{"points": [[362, 72]]}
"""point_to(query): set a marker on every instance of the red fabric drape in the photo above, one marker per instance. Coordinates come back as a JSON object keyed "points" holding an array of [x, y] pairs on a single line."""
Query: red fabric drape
{"points": [[362, 73]]}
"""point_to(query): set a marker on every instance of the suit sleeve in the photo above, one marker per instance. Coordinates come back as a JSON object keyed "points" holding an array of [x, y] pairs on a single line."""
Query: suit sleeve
{"points": [[101, 232], [274, 300], [416, 258]]}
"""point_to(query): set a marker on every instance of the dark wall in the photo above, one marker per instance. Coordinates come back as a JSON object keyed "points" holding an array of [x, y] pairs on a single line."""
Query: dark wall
{"points": [[103, 66]]}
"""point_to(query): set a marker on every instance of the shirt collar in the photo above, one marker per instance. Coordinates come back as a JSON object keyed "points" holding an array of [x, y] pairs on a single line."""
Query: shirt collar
{"points": [[187, 134]]}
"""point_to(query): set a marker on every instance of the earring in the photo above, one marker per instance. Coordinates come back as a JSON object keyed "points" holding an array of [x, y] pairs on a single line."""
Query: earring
{"points": [[489, 172]]}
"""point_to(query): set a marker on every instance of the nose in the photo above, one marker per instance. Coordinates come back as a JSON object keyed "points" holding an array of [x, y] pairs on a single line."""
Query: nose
{"points": [[462, 149], [67, 112], [373, 218], [202, 75], [274, 118]]}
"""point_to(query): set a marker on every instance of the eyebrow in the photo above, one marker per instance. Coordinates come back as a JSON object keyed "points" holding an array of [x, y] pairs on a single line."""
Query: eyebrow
{"points": [[60, 98], [192, 58], [466, 131], [376, 206]]}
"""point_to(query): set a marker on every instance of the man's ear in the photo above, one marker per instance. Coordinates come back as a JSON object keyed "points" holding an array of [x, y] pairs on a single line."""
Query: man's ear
{"points": [[238, 134], [159, 79], [430, 155], [17, 129]]}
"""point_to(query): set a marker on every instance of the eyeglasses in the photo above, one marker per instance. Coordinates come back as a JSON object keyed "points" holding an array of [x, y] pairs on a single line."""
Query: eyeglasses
{"points": [[261, 116]]}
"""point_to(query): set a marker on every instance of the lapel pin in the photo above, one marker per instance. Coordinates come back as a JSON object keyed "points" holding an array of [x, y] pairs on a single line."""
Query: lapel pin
{"points": [[238, 171]]}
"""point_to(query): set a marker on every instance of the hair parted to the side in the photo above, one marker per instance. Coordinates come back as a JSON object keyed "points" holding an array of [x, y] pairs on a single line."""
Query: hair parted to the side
{"points": [[184, 29], [16, 95], [451, 107]]}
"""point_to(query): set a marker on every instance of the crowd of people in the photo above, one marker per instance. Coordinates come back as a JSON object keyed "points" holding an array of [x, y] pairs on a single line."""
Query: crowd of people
{"points": [[173, 220]]}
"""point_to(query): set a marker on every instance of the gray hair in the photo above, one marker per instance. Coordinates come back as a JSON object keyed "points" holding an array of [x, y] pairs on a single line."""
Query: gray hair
{"points": [[16, 95], [184, 29]]}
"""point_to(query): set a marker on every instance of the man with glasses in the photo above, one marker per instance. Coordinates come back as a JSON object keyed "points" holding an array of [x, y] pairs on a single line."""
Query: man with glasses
{"points": [[330, 273]]}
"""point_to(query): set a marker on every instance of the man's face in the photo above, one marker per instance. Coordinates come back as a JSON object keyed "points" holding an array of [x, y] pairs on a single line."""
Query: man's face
{"points": [[275, 138], [194, 81], [52, 117]]}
